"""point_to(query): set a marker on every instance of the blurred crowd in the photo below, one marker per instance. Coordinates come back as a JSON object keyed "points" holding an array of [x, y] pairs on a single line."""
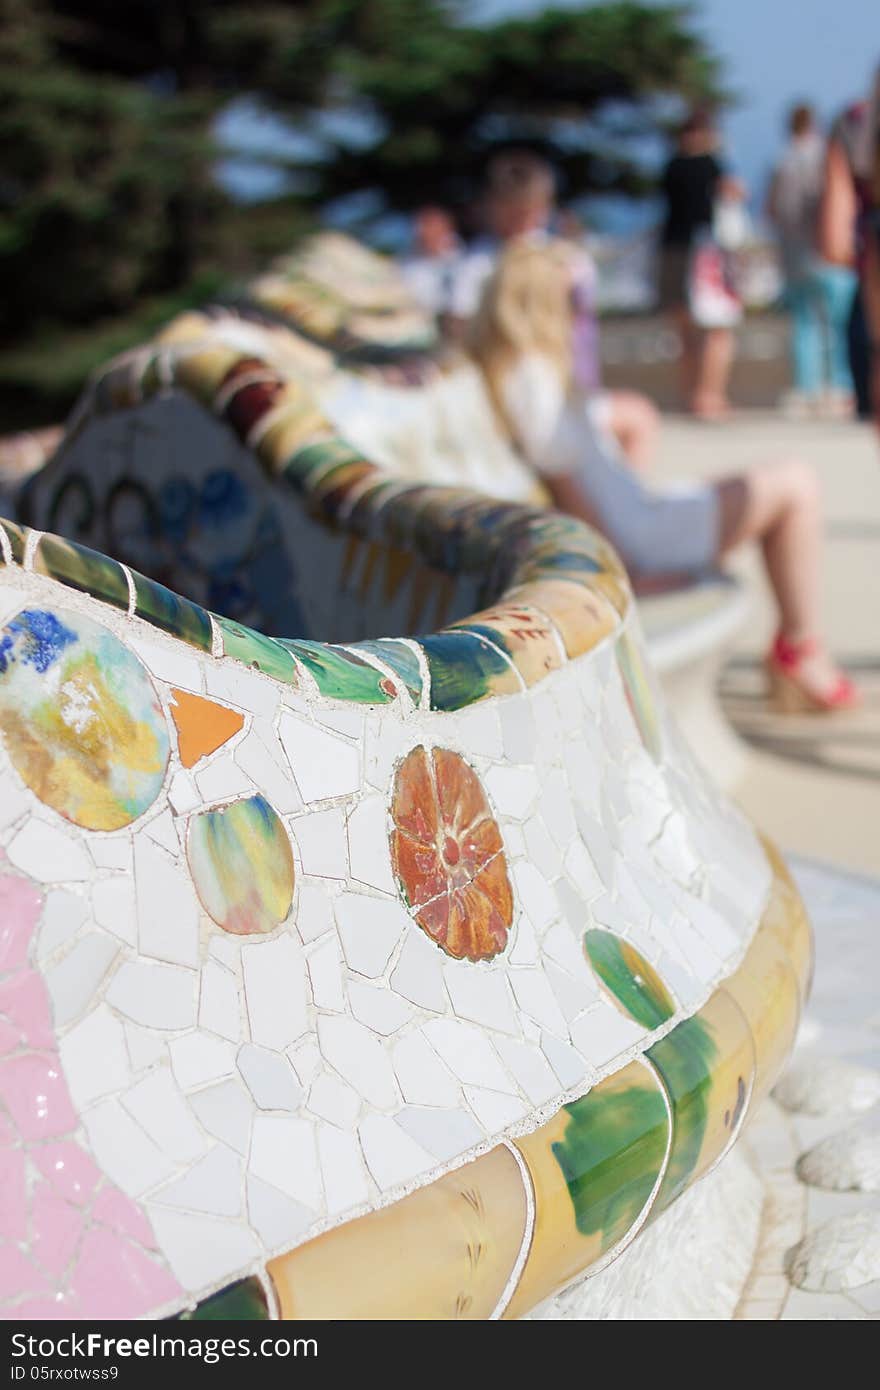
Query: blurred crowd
{"points": [[520, 298]]}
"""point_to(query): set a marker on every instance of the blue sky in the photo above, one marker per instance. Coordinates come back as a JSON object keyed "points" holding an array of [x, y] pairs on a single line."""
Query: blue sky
{"points": [[775, 52]]}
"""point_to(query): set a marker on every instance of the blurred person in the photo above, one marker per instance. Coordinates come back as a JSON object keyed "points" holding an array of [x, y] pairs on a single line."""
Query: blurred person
{"points": [[866, 168], [693, 182], [521, 340], [431, 267], [840, 237], [819, 293], [520, 205]]}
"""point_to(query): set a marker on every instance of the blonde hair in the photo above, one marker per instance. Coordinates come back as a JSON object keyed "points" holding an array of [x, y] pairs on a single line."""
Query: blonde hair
{"points": [[525, 308]]}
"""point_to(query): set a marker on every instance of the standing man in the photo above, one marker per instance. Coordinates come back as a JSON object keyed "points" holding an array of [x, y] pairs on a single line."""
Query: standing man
{"points": [[693, 182]]}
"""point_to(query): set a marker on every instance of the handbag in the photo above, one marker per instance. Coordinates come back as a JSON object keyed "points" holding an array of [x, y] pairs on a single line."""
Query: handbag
{"points": [[712, 298]]}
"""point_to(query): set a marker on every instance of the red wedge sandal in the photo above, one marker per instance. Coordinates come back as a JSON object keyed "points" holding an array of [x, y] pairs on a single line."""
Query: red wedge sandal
{"points": [[788, 692]]}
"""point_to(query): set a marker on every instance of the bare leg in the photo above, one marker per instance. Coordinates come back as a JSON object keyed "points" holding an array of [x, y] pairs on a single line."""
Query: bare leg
{"points": [[709, 398], [779, 506], [635, 423], [688, 334]]}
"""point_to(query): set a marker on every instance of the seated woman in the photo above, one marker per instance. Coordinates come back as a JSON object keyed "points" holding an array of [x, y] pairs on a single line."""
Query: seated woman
{"points": [[521, 339]]}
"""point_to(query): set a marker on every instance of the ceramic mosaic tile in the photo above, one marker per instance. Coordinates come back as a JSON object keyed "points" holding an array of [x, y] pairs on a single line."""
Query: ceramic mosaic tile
{"points": [[316, 943]]}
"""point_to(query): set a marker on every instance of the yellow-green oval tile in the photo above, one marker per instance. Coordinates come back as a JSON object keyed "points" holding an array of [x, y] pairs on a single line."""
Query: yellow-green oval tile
{"points": [[707, 1065], [593, 1168]]}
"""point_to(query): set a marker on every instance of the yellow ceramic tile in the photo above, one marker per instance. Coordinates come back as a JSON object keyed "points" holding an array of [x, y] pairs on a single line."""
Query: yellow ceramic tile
{"points": [[446, 1251]]}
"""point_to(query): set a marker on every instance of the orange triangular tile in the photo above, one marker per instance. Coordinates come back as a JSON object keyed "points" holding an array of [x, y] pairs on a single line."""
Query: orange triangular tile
{"points": [[202, 726]]}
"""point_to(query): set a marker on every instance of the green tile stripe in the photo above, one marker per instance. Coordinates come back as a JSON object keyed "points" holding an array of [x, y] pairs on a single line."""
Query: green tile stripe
{"points": [[264, 654], [16, 536], [464, 669], [338, 673], [81, 568], [399, 658], [172, 612]]}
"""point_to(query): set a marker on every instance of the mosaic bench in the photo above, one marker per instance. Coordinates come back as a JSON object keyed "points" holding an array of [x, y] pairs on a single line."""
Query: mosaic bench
{"points": [[443, 426], [344, 974]]}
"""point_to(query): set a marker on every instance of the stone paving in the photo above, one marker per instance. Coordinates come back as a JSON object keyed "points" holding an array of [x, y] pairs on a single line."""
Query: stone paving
{"points": [[817, 1144]]}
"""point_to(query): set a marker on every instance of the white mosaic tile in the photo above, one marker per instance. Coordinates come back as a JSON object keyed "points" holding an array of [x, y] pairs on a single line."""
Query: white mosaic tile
{"points": [[355, 1052], [324, 965], [370, 929], [380, 1009], [162, 1113], [169, 661], [226, 1110], [258, 760], [421, 1075], [536, 999], [344, 1175], [322, 843], [162, 832], [94, 1056], [48, 854], [167, 908], [483, 996], [213, 1185], [14, 801], [183, 794], [111, 851], [392, 1157], [275, 990], [158, 996], [369, 858], [220, 1005], [468, 1053], [202, 1249], [128, 1157], [529, 1068], [313, 913], [222, 780], [270, 1078], [443, 1133], [512, 790], [114, 907], [568, 1064], [333, 1100], [493, 1110], [278, 1220], [145, 1048], [602, 1033], [63, 914], [284, 1155], [324, 766], [535, 895], [75, 979], [199, 1058]]}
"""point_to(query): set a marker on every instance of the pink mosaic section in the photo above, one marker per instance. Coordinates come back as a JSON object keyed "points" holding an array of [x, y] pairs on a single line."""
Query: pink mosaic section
{"points": [[71, 1244]]}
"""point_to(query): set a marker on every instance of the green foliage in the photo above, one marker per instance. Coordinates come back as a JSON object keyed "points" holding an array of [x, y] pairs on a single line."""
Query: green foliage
{"points": [[444, 94], [95, 174], [107, 187]]}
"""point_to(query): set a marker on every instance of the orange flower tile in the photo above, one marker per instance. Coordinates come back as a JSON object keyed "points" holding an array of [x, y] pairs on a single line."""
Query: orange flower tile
{"points": [[202, 726], [447, 854]]}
